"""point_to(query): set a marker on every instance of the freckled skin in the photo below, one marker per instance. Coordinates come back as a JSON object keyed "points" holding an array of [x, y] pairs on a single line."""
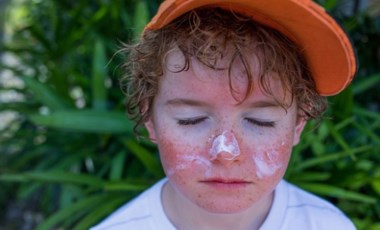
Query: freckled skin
{"points": [[229, 138], [221, 201], [221, 112]]}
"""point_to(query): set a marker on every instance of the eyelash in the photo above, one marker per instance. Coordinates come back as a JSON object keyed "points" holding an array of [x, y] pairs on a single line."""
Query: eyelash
{"points": [[191, 121], [195, 121], [268, 124]]}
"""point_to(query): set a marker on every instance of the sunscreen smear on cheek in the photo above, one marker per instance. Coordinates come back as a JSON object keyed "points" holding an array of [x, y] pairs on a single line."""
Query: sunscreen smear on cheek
{"points": [[266, 164], [189, 162]]}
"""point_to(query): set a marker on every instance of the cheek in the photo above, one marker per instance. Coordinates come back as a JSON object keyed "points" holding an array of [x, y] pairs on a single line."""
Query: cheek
{"points": [[271, 160], [179, 159], [271, 156], [167, 155]]}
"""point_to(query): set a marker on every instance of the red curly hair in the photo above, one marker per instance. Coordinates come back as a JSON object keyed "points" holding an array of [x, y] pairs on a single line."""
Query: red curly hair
{"points": [[205, 34]]}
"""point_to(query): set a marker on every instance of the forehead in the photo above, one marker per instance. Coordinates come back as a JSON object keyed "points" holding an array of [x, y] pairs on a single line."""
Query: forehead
{"points": [[232, 72]]}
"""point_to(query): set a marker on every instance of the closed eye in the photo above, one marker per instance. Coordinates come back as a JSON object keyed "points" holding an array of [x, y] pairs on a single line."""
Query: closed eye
{"points": [[269, 124], [191, 121]]}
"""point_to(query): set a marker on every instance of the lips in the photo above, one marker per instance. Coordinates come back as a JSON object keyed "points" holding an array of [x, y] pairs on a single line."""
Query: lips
{"points": [[226, 183]]}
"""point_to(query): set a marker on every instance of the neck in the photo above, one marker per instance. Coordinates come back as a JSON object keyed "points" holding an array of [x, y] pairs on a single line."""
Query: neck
{"points": [[186, 215]]}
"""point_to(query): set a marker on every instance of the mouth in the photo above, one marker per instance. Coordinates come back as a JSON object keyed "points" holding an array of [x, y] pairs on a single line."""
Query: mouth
{"points": [[226, 183]]}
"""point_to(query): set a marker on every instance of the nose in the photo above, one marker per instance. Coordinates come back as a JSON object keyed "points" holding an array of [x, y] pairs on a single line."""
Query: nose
{"points": [[225, 147]]}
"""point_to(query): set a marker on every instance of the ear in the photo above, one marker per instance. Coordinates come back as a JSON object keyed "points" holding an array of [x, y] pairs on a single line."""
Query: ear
{"points": [[300, 125], [149, 125]]}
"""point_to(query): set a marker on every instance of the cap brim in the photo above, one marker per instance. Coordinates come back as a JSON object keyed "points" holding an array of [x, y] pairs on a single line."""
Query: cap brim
{"points": [[327, 48]]}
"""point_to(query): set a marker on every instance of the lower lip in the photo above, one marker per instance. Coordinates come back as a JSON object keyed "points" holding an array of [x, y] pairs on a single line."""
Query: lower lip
{"points": [[226, 185]]}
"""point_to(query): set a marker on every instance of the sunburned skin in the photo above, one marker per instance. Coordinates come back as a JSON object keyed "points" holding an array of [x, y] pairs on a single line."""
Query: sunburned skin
{"points": [[264, 168], [266, 164], [226, 146], [225, 143], [220, 156], [188, 160]]}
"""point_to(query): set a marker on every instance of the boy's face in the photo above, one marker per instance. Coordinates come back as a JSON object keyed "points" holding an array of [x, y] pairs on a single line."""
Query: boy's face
{"points": [[218, 154]]}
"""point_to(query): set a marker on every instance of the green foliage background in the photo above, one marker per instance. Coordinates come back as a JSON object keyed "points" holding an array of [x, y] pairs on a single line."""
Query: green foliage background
{"points": [[68, 157]]}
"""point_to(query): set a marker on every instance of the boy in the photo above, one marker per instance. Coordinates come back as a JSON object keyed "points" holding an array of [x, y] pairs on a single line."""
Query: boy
{"points": [[224, 89]]}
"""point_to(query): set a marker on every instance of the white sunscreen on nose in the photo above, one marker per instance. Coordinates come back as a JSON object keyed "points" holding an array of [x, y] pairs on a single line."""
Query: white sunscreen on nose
{"points": [[225, 143]]}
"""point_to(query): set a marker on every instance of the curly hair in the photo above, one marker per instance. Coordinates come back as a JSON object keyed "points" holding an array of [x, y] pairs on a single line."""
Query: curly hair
{"points": [[205, 34]]}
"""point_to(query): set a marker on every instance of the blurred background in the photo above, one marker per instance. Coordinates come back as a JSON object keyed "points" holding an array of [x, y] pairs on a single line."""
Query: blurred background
{"points": [[68, 156]]}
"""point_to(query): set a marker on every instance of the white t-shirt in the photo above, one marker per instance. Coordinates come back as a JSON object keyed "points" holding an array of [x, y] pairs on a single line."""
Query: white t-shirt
{"points": [[292, 209]]}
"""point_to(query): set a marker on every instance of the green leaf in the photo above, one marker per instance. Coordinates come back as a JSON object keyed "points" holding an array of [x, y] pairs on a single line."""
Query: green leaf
{"points": [[344, 123], [13, 178], [100, 212], [367, 113], [376, 185], [141, 17], [124, 186], [340, 140], [70, 193], [330, 4], [332, 191], [310, 176], [117, 166], [99, 74], [65, 213], [20, 107], [102, 11], [368, 133], [64, 177], [54, 177], [86, 121], [45, 94], [375, 226], [342, 104], [151, 163], [330, 157], [39, 35], [366, 84], [29, 189]]}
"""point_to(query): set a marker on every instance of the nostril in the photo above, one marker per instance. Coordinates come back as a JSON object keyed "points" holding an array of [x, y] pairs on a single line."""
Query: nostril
{"points": [[225, 146]]}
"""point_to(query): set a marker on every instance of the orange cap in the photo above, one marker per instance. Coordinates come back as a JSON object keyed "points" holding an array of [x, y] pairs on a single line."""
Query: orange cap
{"points": [[328, 50]]}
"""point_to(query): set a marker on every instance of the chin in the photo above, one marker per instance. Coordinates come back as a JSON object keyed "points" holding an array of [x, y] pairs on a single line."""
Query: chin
{"points": [[225, 207]]}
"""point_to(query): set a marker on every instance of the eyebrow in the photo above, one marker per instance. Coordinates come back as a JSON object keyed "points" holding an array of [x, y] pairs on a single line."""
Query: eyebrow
{"points": [[196, 103], [184, 101], [264, 104]]}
